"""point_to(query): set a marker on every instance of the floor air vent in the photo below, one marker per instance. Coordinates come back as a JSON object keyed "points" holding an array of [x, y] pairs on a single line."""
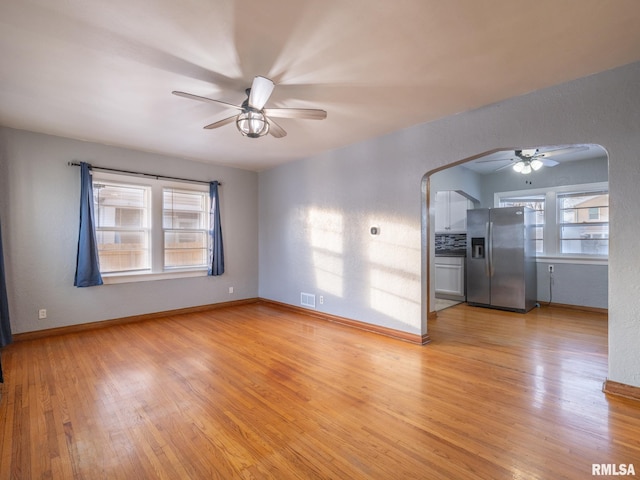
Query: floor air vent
{"points": [[308, 300]]}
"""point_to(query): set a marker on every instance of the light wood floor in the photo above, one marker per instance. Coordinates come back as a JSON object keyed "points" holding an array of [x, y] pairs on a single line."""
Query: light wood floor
{"points": [[258, 392]]}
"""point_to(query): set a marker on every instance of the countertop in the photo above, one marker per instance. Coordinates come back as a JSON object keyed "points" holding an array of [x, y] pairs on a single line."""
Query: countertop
{"points": [[452, 253]]}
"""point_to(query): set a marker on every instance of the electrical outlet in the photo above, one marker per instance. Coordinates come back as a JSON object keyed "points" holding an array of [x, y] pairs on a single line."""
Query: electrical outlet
{"points": [[230, 289], [42, 313], [550, 268], [321, 300]]}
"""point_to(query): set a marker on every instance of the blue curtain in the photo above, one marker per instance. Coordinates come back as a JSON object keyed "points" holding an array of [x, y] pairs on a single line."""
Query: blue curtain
{"points": [[87, 262], [5, 326], [216, 254]]}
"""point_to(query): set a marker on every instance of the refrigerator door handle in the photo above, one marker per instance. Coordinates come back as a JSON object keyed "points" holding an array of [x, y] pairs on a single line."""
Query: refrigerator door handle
{"points": [[487, 253], [490, 249]]}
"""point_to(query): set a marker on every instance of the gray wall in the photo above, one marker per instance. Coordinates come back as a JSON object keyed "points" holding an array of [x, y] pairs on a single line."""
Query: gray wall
{"points": [[458, 178], [573, 284], [314, 229], [39, 209], [380, 279]]}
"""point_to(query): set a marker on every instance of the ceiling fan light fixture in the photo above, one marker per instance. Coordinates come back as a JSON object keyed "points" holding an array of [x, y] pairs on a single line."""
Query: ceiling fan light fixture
{"points": [[254, 120], [536, 164], [252, 124], [527, 166]]}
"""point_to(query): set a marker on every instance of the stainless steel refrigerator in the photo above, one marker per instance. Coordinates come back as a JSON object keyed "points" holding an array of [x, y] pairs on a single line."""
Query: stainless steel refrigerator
{"points": [[501, 263]]}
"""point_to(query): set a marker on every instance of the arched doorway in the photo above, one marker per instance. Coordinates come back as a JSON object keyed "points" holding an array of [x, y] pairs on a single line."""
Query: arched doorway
{"points": [[573, 173]]}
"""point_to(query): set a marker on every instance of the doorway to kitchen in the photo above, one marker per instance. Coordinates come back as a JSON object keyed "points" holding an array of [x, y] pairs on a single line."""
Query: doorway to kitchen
{"points": [[568, 188]]}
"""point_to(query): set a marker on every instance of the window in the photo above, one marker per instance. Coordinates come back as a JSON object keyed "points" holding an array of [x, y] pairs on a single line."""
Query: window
{"points": [[185, 225], [122, 226], [151, 228], [584, 222], [535, 202], [570, 220]]}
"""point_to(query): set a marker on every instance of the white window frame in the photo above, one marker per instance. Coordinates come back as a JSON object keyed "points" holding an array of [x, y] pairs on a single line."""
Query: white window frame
{"points": [[576, 223], [144, 228], [156, 188], [551, 235], [203, 229]]}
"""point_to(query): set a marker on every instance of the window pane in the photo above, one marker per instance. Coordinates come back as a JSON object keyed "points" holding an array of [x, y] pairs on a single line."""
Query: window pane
{"points": [[585, 247], [122, 250], [183, 209], [584, 218], [185, 222], [584, 231], [539, 239], [535, 202], [177, 239], [122, 227], [585, 214], [120, 206], [184, 249], [585, 239], [185, 258], [584, 207]]}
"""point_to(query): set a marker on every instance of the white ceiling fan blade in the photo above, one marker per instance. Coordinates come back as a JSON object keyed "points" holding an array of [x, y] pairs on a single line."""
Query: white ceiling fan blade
{"points": [[503, 159], [510, 164], [221, 123], [261, 90], [495, 160], [205, 99], [276, 130], [499, 156], [306, 113], [562, 151], [548, 162]]}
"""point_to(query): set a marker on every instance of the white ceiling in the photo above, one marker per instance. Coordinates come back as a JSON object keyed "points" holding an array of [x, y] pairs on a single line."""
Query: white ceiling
{"points": [[501, 160], [104, 70]]}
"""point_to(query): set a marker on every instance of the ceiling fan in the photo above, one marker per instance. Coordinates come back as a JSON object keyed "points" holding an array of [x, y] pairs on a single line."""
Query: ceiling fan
{"points": [[531, 159], [254, 120]]}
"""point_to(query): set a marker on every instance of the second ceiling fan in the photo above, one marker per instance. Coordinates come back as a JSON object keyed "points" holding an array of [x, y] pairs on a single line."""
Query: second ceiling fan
{"points": [[254, 120], [532, 159]]}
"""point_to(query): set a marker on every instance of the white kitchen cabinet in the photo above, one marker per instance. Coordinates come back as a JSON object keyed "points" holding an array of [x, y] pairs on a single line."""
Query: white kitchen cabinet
{"points": [[451, 212], [450, 278]]}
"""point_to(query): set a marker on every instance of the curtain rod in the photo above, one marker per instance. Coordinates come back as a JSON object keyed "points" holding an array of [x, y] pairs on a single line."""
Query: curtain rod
{"points": [[117, 170]]}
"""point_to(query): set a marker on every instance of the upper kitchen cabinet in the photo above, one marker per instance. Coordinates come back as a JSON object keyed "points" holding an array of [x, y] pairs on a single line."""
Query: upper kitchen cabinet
{"points": [[451, 212]]}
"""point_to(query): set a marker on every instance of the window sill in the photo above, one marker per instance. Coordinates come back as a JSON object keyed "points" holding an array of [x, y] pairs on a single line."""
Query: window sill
{"points": [[129, 277], [573, 259]]}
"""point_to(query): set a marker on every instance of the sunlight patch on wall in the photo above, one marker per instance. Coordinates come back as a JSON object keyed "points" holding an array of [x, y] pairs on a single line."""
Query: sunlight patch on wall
{"points": [[326, 236], [394, 275]]}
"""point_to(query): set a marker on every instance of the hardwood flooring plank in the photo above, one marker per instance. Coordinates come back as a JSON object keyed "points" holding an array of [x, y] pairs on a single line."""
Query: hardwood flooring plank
{"points": [[257, 392]]}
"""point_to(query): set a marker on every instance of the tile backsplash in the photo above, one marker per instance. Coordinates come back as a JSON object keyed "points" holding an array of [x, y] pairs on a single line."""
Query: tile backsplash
{"points": [[451, 243]]}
